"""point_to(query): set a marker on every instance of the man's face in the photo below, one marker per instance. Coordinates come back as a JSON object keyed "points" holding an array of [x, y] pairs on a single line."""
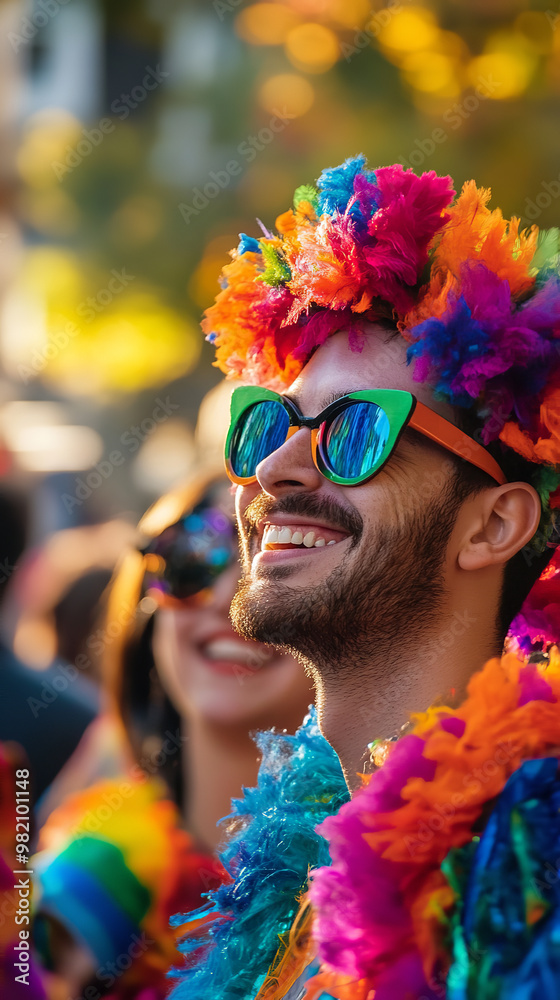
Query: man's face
{"points": [[380, 563]]}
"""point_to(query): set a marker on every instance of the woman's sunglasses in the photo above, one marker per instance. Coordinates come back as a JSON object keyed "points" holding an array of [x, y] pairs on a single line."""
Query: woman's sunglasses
{"points": [[351, 440], [188, 557]]}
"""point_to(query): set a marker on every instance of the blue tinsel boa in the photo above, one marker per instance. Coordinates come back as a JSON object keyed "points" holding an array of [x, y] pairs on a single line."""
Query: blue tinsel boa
{"points": [[272, 846]]}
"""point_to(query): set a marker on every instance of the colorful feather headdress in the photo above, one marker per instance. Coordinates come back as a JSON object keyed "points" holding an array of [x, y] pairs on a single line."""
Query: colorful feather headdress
{"points": [[476, 299]]}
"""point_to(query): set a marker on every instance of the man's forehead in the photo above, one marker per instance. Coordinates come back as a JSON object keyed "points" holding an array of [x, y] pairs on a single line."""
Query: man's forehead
{"points": [[340, 366], [337, 368]]}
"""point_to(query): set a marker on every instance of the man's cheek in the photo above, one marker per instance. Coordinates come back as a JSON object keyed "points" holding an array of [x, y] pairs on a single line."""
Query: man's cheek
{"points": [[239, 506], [242, 500], [248, 545]]}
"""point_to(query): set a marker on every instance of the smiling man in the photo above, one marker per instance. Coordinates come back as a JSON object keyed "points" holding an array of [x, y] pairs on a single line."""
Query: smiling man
{"points": [[349, 575], [397, 461]]}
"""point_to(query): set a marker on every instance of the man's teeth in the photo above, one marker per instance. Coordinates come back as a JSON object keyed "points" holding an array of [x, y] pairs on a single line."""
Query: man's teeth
{"points": [[274, 535]]}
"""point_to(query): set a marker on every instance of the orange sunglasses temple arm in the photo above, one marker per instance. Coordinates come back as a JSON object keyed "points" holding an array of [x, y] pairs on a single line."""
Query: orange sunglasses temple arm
{"points": [[444, 433]]}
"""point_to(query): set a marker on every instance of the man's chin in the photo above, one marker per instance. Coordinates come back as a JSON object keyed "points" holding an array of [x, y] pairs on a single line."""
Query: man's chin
{"points": [[258, 613]]}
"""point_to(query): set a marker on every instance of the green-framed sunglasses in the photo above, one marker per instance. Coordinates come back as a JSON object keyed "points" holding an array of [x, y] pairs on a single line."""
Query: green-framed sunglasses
{"points": [[351, 439]]}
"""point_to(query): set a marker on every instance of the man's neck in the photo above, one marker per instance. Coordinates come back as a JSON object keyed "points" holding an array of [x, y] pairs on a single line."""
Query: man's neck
{"points": [[376, 702]]}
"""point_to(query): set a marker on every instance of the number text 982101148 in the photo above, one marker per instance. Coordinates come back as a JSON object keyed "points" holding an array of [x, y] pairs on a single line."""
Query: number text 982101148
{"points": [[22, 885]]}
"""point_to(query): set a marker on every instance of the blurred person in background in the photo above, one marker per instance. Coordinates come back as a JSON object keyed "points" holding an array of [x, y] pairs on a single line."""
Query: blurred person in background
{"points": [[184, 693], [46, 722], [55, 603]]}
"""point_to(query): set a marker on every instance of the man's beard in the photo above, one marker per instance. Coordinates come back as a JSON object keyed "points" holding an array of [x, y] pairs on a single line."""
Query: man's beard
{"points": [[366, 606]]}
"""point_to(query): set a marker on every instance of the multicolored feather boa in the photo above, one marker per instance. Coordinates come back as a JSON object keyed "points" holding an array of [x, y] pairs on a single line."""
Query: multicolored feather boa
{"points": [[230, 943], [445, 878]]}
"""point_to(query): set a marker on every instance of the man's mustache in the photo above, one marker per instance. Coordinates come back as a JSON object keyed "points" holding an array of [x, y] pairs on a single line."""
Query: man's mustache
{"points": [[305, 505]]}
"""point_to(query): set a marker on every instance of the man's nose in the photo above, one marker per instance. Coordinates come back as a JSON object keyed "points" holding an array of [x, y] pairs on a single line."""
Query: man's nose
{"points": [[290, 466]]}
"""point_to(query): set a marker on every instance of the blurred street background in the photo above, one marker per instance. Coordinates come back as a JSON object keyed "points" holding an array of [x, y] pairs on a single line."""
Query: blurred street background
{"points": [[139, 137]]}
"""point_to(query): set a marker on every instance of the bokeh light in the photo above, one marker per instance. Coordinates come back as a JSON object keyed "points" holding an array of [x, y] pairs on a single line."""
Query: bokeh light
{"points": [[287, 90], [94, 333], [47, 137], [432, 72], [349, 13], [312, 47], [410, 29], [204, 279], [508, 62], [265, 23], [135, 343], [52, 212]]}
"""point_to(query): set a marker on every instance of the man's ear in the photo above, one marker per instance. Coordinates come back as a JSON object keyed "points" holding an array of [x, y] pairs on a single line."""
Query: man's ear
{"points": [[504, 519]]}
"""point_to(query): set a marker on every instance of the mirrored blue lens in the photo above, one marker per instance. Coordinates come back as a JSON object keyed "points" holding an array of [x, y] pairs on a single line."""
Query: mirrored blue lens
{"points": [[261, 429], [353, 442]]}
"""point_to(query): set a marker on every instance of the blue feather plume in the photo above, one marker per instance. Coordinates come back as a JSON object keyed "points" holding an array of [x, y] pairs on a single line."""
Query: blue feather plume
{"points": [[336, 187], [247, 243]]}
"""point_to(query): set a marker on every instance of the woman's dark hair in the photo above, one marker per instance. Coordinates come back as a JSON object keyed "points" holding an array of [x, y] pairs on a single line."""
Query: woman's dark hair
{"points": [[151, 722]]}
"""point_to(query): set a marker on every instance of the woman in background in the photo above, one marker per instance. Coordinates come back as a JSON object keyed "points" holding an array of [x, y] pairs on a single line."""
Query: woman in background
{"points": [[185, 692], [221, 687]]}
